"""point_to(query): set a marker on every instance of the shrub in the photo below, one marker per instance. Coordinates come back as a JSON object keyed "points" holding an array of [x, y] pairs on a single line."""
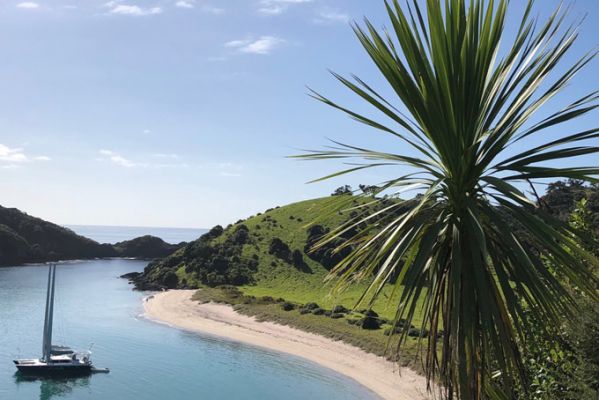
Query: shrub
{"points": [[337, 315], [340, 309], [279, 249], [318, 311], [287, 306], [370, 321], [170, 280], [415, 332]]}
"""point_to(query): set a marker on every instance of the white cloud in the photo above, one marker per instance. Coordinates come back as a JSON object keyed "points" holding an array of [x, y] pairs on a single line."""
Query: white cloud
{"points": [[262, 45], [184, 4], [135, 11], [118, 159], [30, 5], [330, 16], [276, 7], [12, 157]]}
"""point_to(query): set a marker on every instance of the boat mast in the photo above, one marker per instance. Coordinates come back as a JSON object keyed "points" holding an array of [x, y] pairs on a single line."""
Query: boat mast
{"points": [[47, 344]]}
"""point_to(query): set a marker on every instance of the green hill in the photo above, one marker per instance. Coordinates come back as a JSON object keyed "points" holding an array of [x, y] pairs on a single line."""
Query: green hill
{"points": [[266, 255], [27, 239], [262, 267]]}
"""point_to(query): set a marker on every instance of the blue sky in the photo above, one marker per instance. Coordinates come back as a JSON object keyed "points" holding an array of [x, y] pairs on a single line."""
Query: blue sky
{"points": [[181, 113]]}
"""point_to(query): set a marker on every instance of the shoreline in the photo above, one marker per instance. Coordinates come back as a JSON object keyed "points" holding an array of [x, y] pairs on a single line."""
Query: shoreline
{"points": [[384, 378]]}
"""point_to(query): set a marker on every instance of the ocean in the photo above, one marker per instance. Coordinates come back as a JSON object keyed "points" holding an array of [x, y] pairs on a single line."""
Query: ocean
{"points": [[114, 234]]}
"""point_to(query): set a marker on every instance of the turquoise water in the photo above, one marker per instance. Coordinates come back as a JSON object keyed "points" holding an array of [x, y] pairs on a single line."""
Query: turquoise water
{"points": [[114, 234], [147, 360]]}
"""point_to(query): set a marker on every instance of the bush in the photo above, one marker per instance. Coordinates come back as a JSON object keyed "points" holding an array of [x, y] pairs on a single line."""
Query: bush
{"points": [[318, 311], [370, 321], [279, 249], [337, 315], [287, 306], [170, 280], [415, 332], [340, 309], [311, 306], [298, 258]]}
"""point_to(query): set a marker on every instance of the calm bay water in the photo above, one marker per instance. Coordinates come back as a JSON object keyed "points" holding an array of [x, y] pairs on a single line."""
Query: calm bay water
{"points": [[147, 360], [114, 234]]}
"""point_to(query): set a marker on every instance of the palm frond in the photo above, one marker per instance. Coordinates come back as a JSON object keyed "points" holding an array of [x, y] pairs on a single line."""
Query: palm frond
{"points": [[452, 250]]}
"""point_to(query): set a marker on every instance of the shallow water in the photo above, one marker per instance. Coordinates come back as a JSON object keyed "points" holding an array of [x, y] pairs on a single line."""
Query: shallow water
{"points": [[147, 360]]}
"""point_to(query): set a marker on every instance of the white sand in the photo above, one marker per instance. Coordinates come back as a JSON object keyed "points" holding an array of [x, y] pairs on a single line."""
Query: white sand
{"points": [[176, 308]]}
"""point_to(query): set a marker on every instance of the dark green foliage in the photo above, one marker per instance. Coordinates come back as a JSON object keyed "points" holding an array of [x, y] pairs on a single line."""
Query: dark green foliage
{"points": [[337, 315], [328, 255], [287, 306], [370, 320], [583, 335], [267, 299], [170, 280], [340, 309], [24, 238], [342, 190], [561, 197], [370, 190], [279, 249], [28, 239], [415, 332], [210, 261], [145, 247], [311, 306], [318, 311]]}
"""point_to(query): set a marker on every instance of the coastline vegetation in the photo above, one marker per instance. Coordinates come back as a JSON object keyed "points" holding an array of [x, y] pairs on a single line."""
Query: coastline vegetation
{"points": [[337, 322], [27, 239]]}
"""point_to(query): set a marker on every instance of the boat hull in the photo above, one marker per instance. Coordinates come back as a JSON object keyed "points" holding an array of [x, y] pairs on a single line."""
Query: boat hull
{"points": [[54, 370]]}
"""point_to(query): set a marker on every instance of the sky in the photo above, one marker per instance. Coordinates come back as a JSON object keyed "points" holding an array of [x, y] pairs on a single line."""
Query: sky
{"points": [[182, 113]]}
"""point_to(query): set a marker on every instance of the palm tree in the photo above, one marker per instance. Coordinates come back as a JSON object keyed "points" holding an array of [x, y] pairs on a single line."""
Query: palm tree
{"points": [[468, 110]]}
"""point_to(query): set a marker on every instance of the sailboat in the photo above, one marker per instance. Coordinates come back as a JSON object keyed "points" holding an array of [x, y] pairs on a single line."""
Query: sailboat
{"points": [[56, 360]]}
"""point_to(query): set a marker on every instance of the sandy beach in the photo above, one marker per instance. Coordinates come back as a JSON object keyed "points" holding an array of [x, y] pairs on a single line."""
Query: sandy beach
{"points": [[385, 378]]}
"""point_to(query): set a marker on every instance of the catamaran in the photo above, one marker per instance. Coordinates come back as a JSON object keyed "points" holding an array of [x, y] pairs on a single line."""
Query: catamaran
{"points": [[56, 360]]}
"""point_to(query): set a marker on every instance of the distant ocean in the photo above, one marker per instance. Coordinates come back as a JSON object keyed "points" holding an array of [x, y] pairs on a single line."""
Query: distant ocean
{"points": [[114, 234]]}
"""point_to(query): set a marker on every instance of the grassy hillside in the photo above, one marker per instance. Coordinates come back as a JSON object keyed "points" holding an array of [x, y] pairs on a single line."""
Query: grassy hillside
{"points": [[297, 278], [260, 266]]}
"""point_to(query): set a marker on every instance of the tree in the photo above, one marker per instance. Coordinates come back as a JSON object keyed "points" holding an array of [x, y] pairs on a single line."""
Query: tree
{"points": [[462, 105], [342, 190]]}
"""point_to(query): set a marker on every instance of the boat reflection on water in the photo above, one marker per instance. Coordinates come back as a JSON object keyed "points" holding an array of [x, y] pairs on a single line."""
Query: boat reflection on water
{"points": [[51, 387]]}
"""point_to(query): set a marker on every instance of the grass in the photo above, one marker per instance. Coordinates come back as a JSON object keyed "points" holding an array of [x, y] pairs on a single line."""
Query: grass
{"points": [[277, 278]]}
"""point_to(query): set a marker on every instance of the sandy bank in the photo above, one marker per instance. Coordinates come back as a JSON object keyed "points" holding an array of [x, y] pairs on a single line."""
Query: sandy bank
{"points": [[379, 375]]}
